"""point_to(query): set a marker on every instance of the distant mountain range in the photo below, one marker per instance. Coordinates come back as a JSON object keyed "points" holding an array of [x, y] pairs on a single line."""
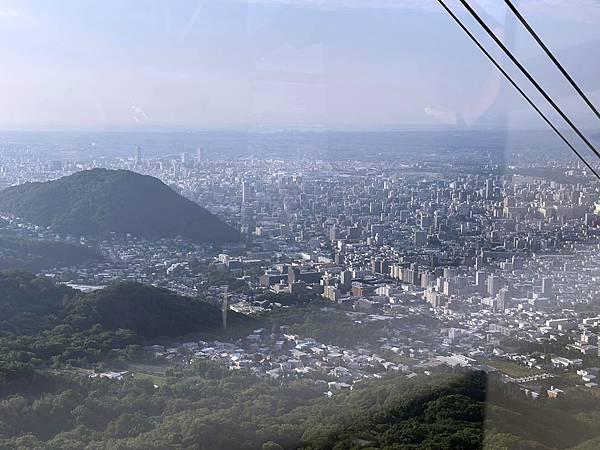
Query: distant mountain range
{"points": [[100, 201]]}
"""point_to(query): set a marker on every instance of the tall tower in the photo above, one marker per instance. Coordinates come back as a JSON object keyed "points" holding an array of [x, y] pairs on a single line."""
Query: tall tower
{"points": [[489, 189], [245, 193], [138, 155], [480, 279], [226, 296]]}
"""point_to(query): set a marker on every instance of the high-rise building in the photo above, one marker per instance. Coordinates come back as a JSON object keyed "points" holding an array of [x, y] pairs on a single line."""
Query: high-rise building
{"points": [[138, 155], [334, 233], [427, 279], [338, 258], [547, 287], [375, 264], [450, 272], [489, 189], [504, 298], [353, 233], [245, 192], [480, 279], [332, 293], [396, 271], [380, 266], [493, 285], [462, 282], [346, 280], [385, 267], [449, 287], [410, 275], [436, 299]]}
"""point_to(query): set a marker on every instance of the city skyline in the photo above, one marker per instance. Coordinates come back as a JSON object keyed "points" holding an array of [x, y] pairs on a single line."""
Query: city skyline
{"points": [[299, 224]]}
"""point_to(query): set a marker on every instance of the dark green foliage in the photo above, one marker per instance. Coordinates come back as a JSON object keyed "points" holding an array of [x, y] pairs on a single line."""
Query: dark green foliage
{"points": [[37, 255], [100, 201], [146, 310], [26, 299], [321, 321], [544, 423], [504, 441], [442, 412], [204, 408], [42, 323], [217, 275]]}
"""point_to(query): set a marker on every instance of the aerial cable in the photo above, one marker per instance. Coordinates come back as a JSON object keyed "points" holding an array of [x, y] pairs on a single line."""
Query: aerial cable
{"points": [[528, 75], [516, 86], [548, 52]]}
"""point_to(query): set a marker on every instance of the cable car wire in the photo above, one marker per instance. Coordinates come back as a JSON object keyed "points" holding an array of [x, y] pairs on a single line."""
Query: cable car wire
{"points": [[525, 72], [548, 52], [517, 87]]}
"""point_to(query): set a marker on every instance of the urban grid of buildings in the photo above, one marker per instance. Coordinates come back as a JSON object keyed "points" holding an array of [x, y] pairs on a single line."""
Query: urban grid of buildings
{"points": [[504, 262]]}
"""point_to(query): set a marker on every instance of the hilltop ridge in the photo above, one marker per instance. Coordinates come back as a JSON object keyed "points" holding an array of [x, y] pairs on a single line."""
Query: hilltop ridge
{"points": [[100, 201]]}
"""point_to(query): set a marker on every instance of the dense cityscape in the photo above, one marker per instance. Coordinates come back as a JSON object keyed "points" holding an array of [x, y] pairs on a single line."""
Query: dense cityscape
{"points": [[300, 225], [469, 265]]}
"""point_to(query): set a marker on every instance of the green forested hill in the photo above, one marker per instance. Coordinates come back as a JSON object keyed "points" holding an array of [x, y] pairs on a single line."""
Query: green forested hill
{"points": [[146, 310], [50, 327], [42, 323], [100, 201], [26, 301], [209, 408]]}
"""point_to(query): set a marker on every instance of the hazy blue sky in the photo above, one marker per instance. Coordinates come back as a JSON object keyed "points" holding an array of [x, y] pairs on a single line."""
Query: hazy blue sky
{"points": [[186, 64]]}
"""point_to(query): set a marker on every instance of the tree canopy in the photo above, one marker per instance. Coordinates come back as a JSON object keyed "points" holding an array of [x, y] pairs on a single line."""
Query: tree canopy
{"points": [[100, 201]]}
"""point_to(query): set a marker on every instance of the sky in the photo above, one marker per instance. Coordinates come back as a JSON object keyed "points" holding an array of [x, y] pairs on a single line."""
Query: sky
{"points": [[356, 64]]}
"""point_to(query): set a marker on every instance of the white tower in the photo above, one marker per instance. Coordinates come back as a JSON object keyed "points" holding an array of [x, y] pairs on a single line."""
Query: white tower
{"points": [[226, 296]]}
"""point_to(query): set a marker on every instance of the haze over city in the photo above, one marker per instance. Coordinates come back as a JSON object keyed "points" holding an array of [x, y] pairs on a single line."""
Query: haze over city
{"points": [[197, 64], [299, 225]]}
